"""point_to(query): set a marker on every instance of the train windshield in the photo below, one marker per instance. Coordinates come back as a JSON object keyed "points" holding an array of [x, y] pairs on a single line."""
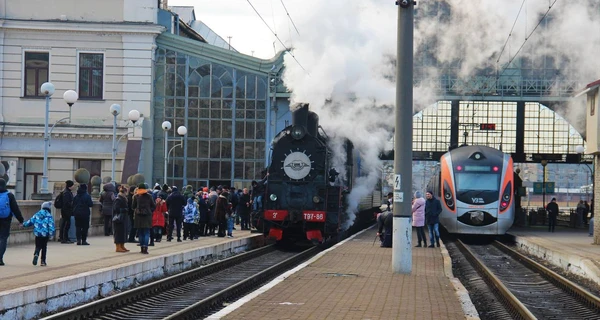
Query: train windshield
{"points": [[477, 181]]}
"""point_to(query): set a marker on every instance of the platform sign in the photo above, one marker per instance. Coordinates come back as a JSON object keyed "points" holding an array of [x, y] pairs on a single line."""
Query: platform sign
{"points": [[487, 126], [538, 187]]}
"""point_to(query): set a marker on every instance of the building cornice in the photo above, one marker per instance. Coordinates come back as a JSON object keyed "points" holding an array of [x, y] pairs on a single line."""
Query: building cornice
{"points": [[220, 55], [37, 132], [82, 27]]}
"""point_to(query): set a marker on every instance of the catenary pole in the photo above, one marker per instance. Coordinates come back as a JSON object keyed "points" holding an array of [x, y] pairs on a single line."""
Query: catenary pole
{"points": [[402, 231]]}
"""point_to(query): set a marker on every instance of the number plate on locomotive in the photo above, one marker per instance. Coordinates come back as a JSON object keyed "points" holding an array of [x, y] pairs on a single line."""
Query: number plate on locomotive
{"points": [[314, 216]]}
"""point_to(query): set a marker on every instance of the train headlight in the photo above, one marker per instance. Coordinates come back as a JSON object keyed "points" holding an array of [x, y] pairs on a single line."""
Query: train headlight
{"points": [[273, 197], [298, 132], [316, 199], [506, 197]]}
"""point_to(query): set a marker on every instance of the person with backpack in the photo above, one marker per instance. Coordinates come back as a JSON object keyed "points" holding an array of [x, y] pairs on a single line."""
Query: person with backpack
{"points": [[43, 229], [82, 203], [64, 202], [8, 209]]}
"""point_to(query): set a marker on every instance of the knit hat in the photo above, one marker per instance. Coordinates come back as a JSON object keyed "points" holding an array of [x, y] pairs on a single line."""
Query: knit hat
{"points": [[69, 183], [142, 186], [430, 192], [165, 187], [47, 205], [418, 194]]}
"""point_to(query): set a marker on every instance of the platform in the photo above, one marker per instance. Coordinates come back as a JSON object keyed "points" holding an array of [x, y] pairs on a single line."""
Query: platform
{"points": [[77, 274], [568, 248], [355, 281]]}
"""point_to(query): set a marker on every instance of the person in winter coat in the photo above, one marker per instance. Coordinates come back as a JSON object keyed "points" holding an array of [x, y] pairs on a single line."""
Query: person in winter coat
{"points": [[202, 215], [121, 209], [258, 189], [175, 203], [43, 229], [143, 206], [8, 209], [82, 203], [552, 209], [66, 212], [385, 224], [158, 218], [433, 208], [190, 213], [107, 198], [130, 228], [221, 213], [418, 218], [244, 208], [188, 193]]}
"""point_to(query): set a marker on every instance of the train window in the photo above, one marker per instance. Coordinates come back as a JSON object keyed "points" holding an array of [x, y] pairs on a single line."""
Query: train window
{"points": [[477, 181]]}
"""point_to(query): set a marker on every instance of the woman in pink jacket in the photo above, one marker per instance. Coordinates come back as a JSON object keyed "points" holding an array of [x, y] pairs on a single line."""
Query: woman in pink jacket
{"points": [[418, 217]]}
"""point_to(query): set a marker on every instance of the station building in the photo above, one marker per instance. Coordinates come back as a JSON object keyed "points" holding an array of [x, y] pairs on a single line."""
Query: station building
{"points": [[144, 56]]}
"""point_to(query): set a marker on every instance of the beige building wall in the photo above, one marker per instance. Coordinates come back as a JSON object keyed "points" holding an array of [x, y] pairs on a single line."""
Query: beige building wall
{"points": [[124, 31]]}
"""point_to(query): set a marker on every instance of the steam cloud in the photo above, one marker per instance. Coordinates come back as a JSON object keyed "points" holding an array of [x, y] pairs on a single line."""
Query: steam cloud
{"points": [[348, 49]]}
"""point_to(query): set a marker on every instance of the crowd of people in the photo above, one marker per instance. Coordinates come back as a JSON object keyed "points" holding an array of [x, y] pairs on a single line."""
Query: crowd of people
{"points": [[136, 214]]}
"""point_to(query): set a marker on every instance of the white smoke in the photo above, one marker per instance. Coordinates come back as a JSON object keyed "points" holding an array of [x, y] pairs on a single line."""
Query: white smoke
{"points": [[348, 50]]}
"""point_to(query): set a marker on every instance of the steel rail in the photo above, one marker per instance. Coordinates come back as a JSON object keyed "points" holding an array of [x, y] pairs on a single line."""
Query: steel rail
{"points": [[94, 308], [560, 281], [200, 308], [516, 307]]}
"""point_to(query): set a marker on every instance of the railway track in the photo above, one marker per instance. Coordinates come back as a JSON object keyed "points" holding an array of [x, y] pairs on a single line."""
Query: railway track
{"points": [[194, 293], [528, 289]]}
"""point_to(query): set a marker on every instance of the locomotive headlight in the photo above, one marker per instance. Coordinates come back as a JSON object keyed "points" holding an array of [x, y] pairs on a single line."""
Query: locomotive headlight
{"points": [[273, 197], [316, 199], [298, 132]]}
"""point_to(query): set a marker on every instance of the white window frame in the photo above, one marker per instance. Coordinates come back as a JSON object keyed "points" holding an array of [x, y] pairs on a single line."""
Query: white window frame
{"points": [[40, 50], [79, 52]]}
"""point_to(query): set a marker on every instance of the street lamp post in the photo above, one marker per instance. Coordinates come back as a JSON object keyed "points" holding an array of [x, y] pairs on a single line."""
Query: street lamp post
{"points": [[70, 98], [134, 116], [182, 131]]}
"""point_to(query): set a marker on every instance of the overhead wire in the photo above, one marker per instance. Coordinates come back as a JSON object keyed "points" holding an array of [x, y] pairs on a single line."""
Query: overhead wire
{"points": [[288, 14], [529, 36], [276, 36], [511, 31]]}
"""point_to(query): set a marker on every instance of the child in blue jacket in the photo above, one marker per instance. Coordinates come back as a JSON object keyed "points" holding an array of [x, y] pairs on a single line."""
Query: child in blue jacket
{"points": [[43, 229]]}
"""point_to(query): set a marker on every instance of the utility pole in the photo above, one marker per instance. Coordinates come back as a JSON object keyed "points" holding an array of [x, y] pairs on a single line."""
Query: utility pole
{"points": [[402, 231], [229, 37]]}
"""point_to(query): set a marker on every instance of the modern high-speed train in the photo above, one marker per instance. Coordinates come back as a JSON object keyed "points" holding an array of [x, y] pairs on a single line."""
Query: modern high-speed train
{"points": [[476, 188]]}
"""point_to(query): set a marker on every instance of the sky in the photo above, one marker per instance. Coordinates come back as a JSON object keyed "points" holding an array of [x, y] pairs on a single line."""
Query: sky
{"points": [[237, 19]]}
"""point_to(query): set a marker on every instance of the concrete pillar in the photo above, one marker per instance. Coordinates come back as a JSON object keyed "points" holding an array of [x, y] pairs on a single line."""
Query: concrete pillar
{"points": [[595, 197]]}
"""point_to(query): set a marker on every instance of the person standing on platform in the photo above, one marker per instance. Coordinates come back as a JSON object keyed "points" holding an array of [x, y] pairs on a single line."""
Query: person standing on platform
{"points": [[552, 209], [190, 212], [107, 198], [202, 214], [587, 213], [43, 229], [120, 208], [8, 209], [82, 203], [64, 202], [130, 228], [433, 208], [221, 213], [581, 212], [384, 224], [143, 206], [243, 209], [158, 218], [175, 204], [418, 217]]}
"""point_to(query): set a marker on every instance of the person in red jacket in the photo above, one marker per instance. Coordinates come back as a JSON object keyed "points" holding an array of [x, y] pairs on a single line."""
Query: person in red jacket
{"points": [[158, 219]]}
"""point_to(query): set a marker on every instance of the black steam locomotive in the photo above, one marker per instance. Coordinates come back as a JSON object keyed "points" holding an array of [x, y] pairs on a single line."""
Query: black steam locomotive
{"points": [[305, 194]]}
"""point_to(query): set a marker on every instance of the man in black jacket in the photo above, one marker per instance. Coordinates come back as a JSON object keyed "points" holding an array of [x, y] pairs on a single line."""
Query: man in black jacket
{"points": [[552, 209], [433, 208], [66, 212], [175, 203], [8, 209]]}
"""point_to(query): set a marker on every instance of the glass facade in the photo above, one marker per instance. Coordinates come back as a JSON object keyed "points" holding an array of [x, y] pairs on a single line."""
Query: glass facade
{"points": [[545, 132], [224, 110]]}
